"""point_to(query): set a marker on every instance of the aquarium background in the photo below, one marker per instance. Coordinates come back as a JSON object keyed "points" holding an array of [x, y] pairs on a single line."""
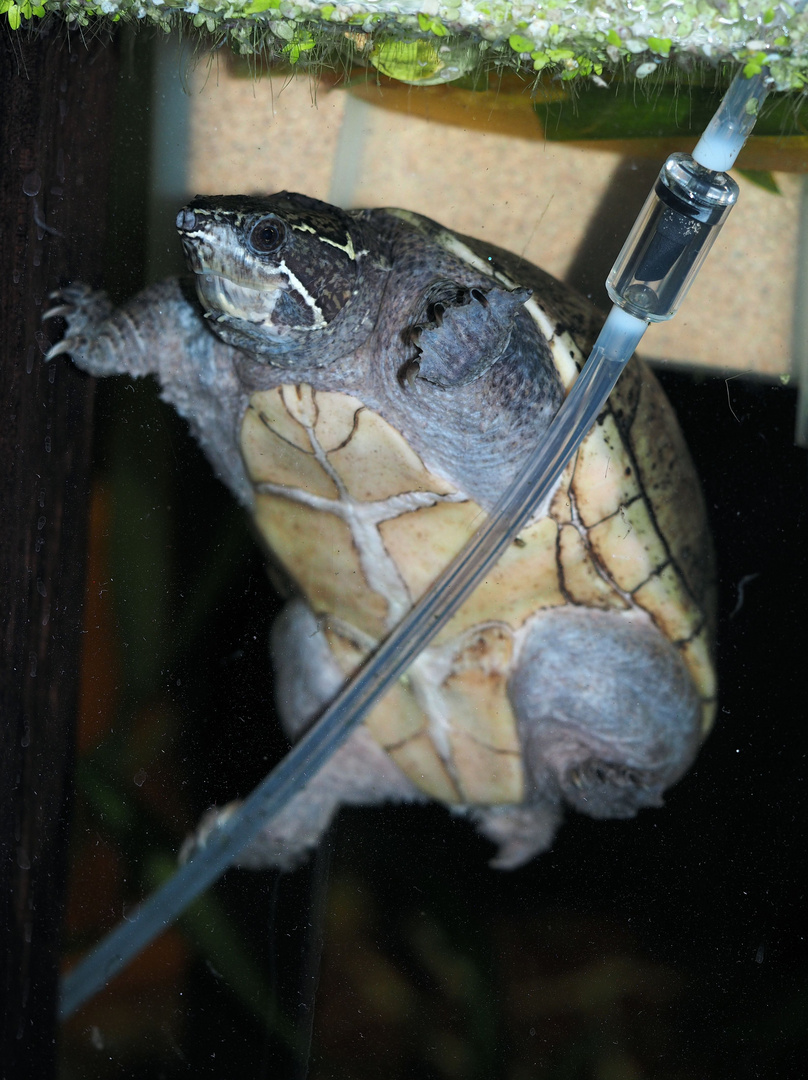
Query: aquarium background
{"points": [[672, 946]]}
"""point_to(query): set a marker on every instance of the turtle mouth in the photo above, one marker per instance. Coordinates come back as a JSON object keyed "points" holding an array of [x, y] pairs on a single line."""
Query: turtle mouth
{"points": [[223, 296]]}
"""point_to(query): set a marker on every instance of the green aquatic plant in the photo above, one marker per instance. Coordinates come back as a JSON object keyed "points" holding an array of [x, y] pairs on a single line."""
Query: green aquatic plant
{"points": [[573, 38]]}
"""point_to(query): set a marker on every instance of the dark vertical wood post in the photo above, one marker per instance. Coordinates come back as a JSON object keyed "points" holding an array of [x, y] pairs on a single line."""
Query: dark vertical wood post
{"points": [[57, 94]]}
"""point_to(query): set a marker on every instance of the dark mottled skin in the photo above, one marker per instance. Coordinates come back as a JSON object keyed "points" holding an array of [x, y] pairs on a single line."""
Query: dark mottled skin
{"points": [[292, 290]]}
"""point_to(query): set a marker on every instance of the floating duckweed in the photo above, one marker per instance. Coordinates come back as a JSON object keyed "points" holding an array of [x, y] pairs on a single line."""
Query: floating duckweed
{"points": [[521, 44], [571, 36], [660, 45], [421, 62]]}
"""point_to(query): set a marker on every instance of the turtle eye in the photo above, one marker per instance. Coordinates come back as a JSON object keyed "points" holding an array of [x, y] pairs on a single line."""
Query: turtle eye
{"points": [[266, 236]]}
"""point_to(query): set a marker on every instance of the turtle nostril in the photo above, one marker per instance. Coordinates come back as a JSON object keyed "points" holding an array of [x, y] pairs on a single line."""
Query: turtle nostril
{"points": [[186, 219]]}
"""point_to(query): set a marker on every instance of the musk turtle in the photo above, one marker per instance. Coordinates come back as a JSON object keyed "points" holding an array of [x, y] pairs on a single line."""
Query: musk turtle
{"points": [[367, 383]]}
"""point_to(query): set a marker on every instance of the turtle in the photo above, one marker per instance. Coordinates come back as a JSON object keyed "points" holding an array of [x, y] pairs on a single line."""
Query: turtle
{"points": [[366, 383]]}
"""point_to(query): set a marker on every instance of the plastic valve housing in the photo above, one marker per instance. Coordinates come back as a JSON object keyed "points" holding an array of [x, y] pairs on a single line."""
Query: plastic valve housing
{"points": [[670, 239]]}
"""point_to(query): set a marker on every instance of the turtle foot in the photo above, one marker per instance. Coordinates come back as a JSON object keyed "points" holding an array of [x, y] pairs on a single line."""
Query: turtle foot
{"points": [[520, 832], [85, 311]]}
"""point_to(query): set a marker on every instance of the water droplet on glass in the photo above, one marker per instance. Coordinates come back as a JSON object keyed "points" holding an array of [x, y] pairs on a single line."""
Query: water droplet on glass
{"points": [[32, 183]]}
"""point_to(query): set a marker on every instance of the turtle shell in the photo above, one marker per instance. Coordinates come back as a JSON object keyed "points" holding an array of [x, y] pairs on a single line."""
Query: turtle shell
{"points": [[367, 383], [363, 526]]}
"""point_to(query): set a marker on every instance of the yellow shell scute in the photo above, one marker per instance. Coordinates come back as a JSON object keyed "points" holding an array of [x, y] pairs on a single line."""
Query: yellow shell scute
{"points": [[298, 400], [488, 777], [401, 728], [317, 549], [271, 447], [581, 581], [458, 741], [567, 357], [628, 546], [337, 417], [375, 462], [604, 478], [664, 597], [671, 486], [524, 581], [697, 654], [420, 761], [708, 709], [483, 736], [287, 425], [423, 541]]}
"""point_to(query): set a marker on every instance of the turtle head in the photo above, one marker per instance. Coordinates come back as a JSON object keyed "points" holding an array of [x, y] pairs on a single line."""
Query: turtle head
{"points": [[282, 276]]}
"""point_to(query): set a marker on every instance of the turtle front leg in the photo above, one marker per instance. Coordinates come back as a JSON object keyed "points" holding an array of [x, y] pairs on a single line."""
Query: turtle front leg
{"points": [[127, 341], [358, 773], [608, 719], [162, 332]]}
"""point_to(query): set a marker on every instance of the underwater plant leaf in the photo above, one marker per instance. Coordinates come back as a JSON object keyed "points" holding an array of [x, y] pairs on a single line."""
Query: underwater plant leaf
{"points": [[762, 178]]}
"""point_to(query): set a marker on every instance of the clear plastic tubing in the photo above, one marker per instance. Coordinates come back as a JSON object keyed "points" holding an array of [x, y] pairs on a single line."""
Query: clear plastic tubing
{"points": [[648, 281], [684, 212]]}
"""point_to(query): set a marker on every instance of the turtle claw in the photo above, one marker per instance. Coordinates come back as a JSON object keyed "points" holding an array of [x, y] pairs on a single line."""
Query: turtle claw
{"points": [[66, 345], [408, 374], [58, 312], [210, 822], [84, 310]]}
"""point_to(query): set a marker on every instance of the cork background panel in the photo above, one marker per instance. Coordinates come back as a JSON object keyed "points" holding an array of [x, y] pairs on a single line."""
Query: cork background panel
{"points": [[538, 198]]}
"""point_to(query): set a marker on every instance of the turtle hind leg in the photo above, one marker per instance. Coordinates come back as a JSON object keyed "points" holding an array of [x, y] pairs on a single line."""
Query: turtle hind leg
{"points": [[358, 773], [520, 832], [608, 714]]}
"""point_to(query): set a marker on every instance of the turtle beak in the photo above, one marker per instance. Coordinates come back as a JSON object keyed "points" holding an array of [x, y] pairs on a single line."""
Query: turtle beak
{"points": [[222, 296]]}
